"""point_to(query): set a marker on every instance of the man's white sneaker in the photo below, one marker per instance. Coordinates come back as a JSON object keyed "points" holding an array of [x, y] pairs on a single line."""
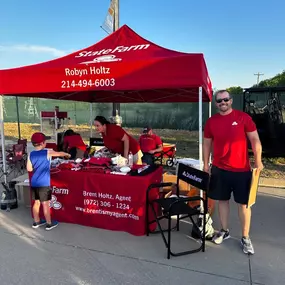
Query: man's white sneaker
{"points": [[221, 236], [247, 246]]}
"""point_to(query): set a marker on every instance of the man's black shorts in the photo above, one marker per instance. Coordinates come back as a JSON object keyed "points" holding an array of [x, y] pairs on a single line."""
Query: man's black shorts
{"points": [[223, 183], [41, 193]]}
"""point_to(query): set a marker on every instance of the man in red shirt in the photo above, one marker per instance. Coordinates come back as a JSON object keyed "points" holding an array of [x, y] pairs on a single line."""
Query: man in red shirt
{"points": [[226, 133], [150, 143]]}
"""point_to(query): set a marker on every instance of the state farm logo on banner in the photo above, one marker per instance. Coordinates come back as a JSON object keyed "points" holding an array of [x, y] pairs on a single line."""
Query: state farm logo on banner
{"points": [[54, 203], [103, 58], [108, 51], [61, 191]]}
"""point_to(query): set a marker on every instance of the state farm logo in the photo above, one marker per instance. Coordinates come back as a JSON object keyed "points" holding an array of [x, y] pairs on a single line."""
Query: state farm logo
{"points": [[103, 58], [54, 203], [62, 191], [107, 51]]}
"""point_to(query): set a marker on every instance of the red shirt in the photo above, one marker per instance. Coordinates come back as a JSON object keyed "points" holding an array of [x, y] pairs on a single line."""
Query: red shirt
{"points": [[149, 142], [113, 140], [230, 149], [74, 141]]}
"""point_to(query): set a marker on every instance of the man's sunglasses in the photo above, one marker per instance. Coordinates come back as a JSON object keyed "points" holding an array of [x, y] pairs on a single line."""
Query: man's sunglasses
{"points": [[223, 99]]}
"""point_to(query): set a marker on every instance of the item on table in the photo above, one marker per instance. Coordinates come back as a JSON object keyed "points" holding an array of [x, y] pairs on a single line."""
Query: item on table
{"points": [[119, 160], [131, 160], [78, 160], [125, 169], [97, 161], [118, 173], [94, 169], [104, 152]]}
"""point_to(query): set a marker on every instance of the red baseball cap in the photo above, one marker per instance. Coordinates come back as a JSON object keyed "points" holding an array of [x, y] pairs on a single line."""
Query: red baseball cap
{"points": [[39, 138]]}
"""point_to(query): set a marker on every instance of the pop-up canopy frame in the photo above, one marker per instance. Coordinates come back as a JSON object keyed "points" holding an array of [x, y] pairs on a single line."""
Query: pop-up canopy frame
{"points": [[122, 68]]}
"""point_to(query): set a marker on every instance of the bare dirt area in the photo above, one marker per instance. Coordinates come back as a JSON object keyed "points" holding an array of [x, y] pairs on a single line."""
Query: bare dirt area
{"points": [[186, 143]]}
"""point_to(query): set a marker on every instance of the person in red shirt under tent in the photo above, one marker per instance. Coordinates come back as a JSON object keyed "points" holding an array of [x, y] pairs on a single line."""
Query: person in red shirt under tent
{"points": [[226, 134], [74, 144], [150, 144], [117, 140]]}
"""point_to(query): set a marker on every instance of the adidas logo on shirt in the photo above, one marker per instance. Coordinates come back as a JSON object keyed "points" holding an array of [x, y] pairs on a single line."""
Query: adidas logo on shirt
{"points": [[234, 124]]}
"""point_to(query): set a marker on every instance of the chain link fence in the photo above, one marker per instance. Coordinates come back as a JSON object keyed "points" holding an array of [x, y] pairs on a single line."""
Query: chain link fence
{"points": [[182, 116]]}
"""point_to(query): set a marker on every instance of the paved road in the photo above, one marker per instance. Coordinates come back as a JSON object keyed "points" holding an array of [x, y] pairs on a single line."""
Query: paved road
{"points": [[73, 254]]}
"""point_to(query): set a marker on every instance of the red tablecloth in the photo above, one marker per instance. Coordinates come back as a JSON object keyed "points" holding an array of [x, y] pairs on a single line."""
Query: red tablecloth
{"points": [[107, 201]]}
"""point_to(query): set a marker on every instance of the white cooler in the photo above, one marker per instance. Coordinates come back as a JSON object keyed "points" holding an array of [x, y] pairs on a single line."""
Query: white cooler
{"points": [[188, 161]]}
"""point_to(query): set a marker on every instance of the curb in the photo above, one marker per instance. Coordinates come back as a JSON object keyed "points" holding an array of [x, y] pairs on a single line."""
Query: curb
{"points": [[271, 182]]}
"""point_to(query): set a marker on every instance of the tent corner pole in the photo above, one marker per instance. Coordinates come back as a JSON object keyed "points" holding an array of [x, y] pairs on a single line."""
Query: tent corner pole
{"points": [[201, 138], [116, 106], [18, 117], [3, 138], [200, 128], [210, 114]]}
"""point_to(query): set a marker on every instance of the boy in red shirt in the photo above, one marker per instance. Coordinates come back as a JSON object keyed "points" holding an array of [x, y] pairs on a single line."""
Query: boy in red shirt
{"points": [[150, 143], [226, 133]]}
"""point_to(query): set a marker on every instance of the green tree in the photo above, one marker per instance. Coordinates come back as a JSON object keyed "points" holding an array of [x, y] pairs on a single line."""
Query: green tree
{"points": [[234, 90], [276, 81]]}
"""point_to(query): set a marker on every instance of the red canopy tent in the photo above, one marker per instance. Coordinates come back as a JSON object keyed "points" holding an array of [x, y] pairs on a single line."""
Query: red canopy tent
{"points": [[121, 68]]}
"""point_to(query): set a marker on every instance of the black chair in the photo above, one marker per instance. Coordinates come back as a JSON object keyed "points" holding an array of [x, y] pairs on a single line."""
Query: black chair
{"points": [[179, 206]]}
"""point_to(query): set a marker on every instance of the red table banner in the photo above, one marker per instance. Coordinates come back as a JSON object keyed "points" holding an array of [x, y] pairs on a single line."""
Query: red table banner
{"points": [[107, 201]]}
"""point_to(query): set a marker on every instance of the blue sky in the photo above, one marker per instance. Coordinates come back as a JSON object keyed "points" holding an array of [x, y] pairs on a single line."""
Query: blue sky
{"points": [[238, 38]]}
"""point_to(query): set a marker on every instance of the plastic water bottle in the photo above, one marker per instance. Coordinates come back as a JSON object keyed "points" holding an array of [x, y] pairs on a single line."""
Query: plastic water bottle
{"points": [[131, 160]]}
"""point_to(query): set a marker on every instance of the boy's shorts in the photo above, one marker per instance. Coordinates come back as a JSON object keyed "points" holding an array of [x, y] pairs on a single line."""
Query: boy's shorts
{"points": [[41, 193]]}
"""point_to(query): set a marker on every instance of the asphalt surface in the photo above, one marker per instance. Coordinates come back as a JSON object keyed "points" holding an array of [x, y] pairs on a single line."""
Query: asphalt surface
{"points": [[72, 254]]}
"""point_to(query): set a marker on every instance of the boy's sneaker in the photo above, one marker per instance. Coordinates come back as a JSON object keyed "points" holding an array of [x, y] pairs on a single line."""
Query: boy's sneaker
{"points": [[51, 226], [38, 224], [247, 246], [221, 236]]}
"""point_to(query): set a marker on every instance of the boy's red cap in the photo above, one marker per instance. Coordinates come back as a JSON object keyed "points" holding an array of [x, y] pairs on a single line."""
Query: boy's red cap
{"points": [[38, 138]]}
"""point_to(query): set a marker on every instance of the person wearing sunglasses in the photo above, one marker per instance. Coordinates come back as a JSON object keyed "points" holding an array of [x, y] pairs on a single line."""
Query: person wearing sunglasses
{"points": [[225, 135]]}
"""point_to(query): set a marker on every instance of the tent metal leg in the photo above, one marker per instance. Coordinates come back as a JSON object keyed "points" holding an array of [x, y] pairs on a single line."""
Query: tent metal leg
{"points": [[3, 139], [201, 137], [18, 117], [210, 114]]}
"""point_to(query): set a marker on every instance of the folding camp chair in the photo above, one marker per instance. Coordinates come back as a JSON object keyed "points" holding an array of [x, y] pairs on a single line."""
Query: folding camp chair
{"points": [[16, 162], [180, 207], [24, 142]]}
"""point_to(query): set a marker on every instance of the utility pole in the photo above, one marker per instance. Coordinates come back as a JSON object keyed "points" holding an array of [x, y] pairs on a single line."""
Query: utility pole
{"points": [[258, 75], [116, 106]]}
